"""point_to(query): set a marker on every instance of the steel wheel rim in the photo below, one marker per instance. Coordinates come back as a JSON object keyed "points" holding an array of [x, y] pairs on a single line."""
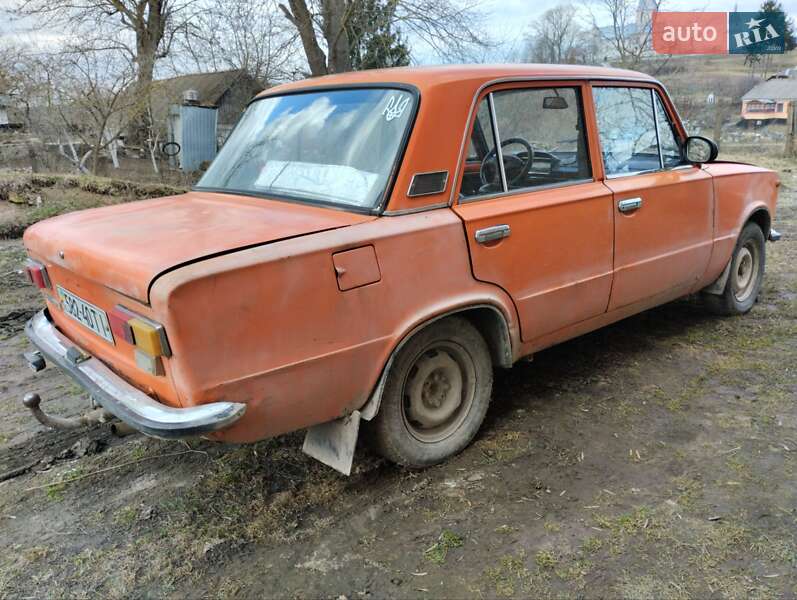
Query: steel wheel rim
{"points": [[744, 272], [438, 391]]}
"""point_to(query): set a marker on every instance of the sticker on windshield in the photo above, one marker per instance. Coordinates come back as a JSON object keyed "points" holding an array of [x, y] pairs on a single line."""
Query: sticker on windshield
{"points": [[395, 107]]}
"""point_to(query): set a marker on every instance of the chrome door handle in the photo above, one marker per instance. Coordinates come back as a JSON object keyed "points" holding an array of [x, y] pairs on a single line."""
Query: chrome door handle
{"points": [[490, 234], [629, 204]]}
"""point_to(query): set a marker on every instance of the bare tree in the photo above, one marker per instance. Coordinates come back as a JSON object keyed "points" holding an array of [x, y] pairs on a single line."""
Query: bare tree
{"points": [[630, 30], [558, 37], [447, 27], [92, 102], [143, 29], [241, 34]]}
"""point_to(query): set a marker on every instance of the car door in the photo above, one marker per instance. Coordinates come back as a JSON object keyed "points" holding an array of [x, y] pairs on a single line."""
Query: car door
{"points": [[537, 221], [663, 206]]}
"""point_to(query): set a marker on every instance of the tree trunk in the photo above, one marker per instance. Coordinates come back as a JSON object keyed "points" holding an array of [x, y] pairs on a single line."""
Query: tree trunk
{"points": [[300, 16], [146, 66], [32, 157], [335, 15], [95, 156]]}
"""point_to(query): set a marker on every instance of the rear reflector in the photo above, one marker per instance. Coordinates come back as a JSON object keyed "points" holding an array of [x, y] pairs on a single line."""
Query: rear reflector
{"points": [[37, 274], [150, 364]]}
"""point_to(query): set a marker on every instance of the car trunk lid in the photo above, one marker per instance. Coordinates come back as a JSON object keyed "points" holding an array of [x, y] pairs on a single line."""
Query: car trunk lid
{"points": [[125, 247]]}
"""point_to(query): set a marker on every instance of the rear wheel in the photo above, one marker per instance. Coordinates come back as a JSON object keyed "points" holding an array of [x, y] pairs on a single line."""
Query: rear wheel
{"points": [[746, 274], [436, 395]]}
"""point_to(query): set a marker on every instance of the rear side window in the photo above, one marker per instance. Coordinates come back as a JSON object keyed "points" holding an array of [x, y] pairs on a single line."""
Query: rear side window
{"points": [[541, 133], [481, 141]]}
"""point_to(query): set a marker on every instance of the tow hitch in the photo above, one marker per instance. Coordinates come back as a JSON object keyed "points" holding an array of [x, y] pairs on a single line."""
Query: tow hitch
{"points": [[98, 415], [32, 401]]}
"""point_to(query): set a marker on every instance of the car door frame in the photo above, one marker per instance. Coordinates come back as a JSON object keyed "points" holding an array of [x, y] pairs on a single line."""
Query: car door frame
{"points": [[572, 295], [634, 283]]}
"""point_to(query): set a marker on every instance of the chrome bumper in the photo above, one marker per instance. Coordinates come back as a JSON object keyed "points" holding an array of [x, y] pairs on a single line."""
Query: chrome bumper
{"points": [[120, 398]]}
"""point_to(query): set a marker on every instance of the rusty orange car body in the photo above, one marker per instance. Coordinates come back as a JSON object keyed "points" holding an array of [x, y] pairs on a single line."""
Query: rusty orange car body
{"points": [[294, 311]]}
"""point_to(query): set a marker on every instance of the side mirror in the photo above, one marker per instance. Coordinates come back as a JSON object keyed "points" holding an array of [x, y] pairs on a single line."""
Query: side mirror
{"points": [[699, 150]]}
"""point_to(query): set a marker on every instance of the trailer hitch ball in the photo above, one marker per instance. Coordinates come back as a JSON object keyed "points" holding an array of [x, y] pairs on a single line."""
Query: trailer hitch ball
{"points": [[31, 400]]}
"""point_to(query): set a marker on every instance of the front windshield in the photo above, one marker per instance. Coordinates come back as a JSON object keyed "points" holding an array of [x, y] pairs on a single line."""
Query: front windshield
{"points": [[334, 147]]}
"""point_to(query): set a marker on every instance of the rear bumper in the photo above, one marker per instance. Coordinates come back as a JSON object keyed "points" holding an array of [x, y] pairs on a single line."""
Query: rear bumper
{"points": [[118, 397]]}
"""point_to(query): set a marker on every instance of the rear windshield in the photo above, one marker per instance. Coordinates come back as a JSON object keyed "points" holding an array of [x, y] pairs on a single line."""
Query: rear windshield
{"points": [[335, 147]]}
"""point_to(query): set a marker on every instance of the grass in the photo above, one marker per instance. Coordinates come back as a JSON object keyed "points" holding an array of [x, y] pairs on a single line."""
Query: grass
{"points": [[592, 545], [27, 199], [510, 576], [439, 551], [552, 527], [126, 516], [503, 446], [546, 559]]}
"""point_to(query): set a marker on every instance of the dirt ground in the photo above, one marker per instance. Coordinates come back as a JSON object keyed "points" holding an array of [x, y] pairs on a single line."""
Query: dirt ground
{"points": [[653, 458]]}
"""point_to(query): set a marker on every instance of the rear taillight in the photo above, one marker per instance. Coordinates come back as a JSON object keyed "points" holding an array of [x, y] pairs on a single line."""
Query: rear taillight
{"points": [[118, 319], [37, 274], [146, 335]]}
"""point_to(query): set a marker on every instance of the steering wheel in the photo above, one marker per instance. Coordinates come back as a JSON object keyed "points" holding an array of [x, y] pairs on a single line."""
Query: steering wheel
{"points": [[520, 165]]}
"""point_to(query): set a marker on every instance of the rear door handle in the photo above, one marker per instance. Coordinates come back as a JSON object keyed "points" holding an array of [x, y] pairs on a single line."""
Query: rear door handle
{"points": [[490, 234], [629, 205]]}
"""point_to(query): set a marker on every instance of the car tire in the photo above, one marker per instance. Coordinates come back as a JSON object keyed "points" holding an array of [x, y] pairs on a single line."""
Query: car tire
{"points": [[436, 395], [746, 274]]}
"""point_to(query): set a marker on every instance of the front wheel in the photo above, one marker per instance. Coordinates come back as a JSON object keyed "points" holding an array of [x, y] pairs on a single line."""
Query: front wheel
{"points": [[436, 395], [746, 274]]}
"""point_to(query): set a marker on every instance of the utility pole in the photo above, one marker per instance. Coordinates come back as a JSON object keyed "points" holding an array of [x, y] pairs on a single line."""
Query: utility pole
{"points": [[791, 125]]}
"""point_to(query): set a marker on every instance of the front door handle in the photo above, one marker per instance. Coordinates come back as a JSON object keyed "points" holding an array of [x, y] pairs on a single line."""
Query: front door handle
{"points": [[629, 205], [490, 234]]}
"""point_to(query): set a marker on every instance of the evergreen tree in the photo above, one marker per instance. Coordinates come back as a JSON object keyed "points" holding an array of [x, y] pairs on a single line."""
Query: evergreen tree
{"points": [[770, 6], [374, 43]]}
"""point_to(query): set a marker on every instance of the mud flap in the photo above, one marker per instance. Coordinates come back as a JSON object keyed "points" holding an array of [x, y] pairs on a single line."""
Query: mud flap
{"points": [[333, 443], [718, 287]]}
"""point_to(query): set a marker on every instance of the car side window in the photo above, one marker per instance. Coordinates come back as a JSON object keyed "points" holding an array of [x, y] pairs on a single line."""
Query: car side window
{"points": [[668, 140], [541, 132], [627, 129], [481, 143], [481, 139]]}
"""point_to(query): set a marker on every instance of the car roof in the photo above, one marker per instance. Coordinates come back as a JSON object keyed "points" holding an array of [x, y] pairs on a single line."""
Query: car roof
{"points": [[424, 78]]}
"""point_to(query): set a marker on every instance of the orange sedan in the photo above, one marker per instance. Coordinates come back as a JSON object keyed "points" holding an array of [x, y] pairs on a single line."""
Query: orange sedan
{"points": [[369, 246]]}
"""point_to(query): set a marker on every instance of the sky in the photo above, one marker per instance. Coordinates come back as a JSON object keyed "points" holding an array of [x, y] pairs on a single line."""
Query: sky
{"points": [[509, 20], [506, 21]]}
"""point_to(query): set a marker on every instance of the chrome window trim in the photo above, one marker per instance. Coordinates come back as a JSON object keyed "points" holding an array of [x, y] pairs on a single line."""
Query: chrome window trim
{"points": [[416, 209], [656, 95], [528, 190], [678, 168], [499, 151], [633, 174], [656, 125], [412, 181]]}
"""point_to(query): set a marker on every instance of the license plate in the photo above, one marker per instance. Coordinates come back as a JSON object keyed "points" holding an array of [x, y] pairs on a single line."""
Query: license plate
{"points": [[86, 314]]}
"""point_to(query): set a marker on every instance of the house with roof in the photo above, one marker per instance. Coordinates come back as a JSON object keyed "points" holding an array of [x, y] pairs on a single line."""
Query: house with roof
{"points": [[771, 100], [227, 91]]}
